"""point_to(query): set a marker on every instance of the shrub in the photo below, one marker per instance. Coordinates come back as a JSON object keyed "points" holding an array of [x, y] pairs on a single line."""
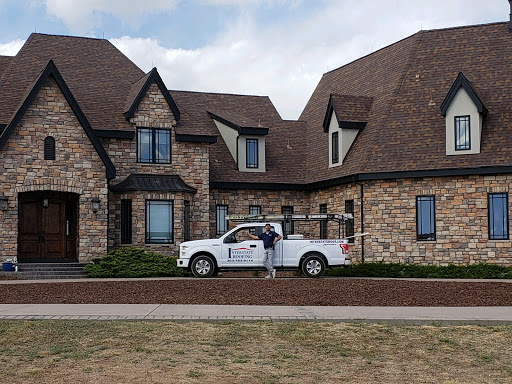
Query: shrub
{"points": [[133, 262], [474, 271]]}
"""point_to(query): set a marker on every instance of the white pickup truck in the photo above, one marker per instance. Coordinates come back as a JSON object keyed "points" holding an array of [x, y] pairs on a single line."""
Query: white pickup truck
{"points": [[236, 251]]}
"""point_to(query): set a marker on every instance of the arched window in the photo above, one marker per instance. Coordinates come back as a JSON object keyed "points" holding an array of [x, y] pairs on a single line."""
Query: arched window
{"points": [[49, 148]]}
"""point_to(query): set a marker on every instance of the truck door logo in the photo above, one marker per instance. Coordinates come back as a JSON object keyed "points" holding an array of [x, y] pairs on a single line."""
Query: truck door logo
{"points": [[240, 255]]}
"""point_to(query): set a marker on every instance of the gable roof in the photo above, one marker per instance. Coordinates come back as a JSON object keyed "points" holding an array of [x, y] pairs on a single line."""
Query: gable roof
{"points": [[462, 82], [409, 81], [99, 76], [140, 88], [243, 125], [350, 111], [52, 71]]}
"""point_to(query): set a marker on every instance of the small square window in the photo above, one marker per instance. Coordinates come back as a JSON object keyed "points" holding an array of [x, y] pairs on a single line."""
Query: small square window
{"points": [[153, 145]]}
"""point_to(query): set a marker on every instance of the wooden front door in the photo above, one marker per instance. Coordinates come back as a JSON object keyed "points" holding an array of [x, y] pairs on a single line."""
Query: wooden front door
{"points": [[47, 226]]}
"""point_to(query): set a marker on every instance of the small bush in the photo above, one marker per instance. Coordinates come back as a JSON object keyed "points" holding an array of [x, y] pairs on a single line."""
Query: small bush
{"points": [[133, 262], [474, 271]]}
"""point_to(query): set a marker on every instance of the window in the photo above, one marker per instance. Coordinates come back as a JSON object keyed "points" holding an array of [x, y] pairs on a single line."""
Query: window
{"points": [[323, 224], [425, 218], [153, 145], [498, 216], [288, 224], [335, 148], [222, 223], [159, 221], [126, 221], [49, 148], [254, 210], [462, 135], [349, 225], [186, 221], [252, 153]]}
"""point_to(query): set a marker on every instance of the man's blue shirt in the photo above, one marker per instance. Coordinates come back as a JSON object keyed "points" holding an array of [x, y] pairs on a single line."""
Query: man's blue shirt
{"points": [[268, 238]]}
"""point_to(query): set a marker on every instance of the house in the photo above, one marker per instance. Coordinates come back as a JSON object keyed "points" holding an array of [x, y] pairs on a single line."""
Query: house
{"points": [[413, 140]]}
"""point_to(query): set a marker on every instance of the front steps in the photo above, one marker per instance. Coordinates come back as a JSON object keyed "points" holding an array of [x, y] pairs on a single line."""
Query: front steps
{"points": [[40, 271]]}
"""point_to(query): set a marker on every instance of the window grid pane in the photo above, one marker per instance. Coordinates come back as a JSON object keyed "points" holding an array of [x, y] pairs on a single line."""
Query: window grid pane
{"points": [[252, 153], [222, 223], [462, 133], [288, 225], [153, 145], [335, 148], [498, 216], [159, 221], [323, 224], [349, 225], [254, 210], [425, 218]]}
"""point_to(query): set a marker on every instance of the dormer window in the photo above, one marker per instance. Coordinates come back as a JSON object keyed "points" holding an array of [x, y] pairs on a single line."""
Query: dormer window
{"points": [[335, 148], [464, 114], [462, 133], [251, 150], [346, 116], [244, 138]]}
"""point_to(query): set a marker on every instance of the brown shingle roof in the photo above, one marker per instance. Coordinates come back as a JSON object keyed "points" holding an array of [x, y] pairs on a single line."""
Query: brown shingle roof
{"points": [[4, 63], [408, 82], [98, 74], [285, 142]]}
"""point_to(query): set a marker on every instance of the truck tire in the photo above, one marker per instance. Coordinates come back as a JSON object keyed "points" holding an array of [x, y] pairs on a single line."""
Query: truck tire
{"points": [[203, 266], [313, 266]]}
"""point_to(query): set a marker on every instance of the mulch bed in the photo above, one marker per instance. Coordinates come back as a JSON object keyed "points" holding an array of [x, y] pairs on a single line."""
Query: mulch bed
{"points": [[258, 291]]}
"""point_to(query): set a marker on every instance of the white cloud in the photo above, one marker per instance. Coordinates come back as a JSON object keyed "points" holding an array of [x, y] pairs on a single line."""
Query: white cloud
{"points": [[81, 16], [11, 48]]}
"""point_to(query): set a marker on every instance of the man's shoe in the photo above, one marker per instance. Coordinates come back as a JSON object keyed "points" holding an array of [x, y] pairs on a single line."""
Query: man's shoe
{"points": [[274, 273], [269, 276]]}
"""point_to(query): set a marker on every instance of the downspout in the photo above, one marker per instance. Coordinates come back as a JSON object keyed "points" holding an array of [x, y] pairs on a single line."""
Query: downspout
{"points": [[362, 222], [108, 215]]}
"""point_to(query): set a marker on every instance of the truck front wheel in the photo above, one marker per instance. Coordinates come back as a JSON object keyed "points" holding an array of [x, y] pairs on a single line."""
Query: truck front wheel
{"points": [[203, 266], [313, 266]]}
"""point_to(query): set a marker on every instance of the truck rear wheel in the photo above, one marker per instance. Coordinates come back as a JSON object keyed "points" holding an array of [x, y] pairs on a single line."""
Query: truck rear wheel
{"points": [[313, 266], [203, 266]]}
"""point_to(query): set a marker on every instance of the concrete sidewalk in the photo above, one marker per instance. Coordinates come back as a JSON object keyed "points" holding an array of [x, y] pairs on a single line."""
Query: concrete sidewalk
{"points": [[243, 313]]}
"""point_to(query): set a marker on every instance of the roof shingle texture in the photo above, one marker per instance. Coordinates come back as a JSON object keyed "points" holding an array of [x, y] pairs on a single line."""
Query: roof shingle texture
{"points": [[408, 81]]}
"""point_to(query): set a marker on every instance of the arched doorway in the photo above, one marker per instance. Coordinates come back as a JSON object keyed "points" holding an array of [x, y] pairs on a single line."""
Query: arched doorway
{"points": [[47, 226]]}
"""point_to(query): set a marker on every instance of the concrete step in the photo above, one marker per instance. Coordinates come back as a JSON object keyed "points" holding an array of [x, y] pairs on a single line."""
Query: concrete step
{"points": [[39, 271]]}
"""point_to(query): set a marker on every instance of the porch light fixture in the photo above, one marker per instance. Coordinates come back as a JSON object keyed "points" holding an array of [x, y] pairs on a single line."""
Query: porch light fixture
{"points": [[4, 202], [95, 204], [45, 202]]}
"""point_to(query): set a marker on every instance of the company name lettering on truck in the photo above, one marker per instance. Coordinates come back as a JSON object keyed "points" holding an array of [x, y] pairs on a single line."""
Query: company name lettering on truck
{"points": [[240, 255]]}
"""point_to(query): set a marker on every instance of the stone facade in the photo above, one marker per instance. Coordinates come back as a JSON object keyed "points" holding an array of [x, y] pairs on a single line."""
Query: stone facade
{"points": [[77, 169], [188, 160]]}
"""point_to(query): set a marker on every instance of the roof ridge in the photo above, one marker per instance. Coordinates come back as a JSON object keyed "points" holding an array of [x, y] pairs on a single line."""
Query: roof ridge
{"points": [[219, 93]]}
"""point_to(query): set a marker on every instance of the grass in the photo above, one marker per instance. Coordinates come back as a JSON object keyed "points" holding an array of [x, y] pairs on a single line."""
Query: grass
{"points": [[287, 352], [398, 270]]}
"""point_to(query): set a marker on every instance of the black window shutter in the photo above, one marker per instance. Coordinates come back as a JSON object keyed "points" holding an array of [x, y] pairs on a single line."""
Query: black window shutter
{"points": [[126, 221]]}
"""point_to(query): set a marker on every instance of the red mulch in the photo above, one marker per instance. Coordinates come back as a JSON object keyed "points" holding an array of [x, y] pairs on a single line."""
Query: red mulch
{"points": [[258, 291]]}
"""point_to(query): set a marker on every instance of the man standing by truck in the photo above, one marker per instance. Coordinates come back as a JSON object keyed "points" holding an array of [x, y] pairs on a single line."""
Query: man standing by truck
{"points": [[270, 238]]}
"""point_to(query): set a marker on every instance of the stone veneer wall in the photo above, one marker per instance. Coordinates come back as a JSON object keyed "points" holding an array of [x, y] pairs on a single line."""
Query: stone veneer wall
{"points": [[188, 160], [238, 202], [76, 169], [461, 221]]}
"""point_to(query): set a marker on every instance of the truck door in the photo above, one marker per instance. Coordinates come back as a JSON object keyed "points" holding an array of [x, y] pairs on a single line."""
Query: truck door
{"points": [[238, 250]]}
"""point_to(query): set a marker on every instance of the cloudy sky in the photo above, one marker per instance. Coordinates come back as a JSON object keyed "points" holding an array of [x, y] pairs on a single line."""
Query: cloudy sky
{"points": [[278, 48]]}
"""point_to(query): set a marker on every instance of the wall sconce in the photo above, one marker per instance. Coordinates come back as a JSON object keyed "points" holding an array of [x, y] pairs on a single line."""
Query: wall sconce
{"points": [[95, 204], [4, 202]]}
